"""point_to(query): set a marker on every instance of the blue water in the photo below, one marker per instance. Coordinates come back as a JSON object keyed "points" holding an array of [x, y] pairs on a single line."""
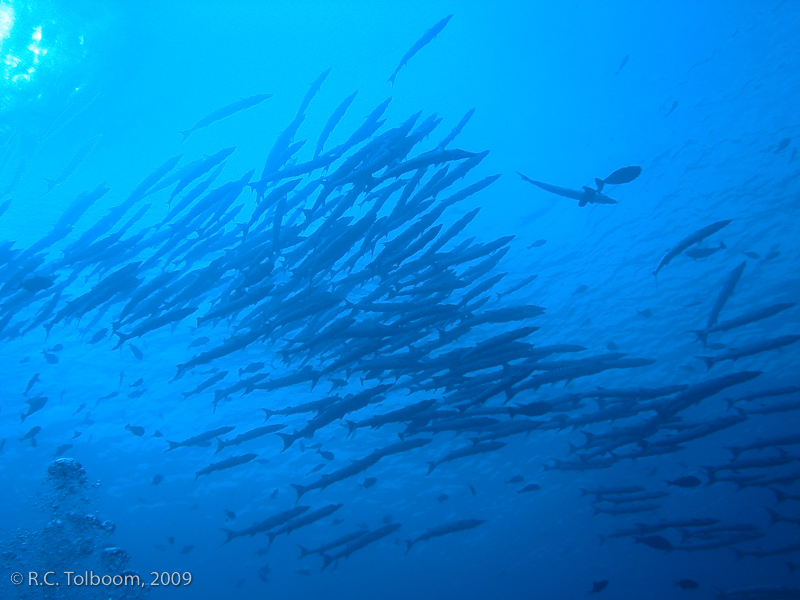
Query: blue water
{"points": [[701, 96]]}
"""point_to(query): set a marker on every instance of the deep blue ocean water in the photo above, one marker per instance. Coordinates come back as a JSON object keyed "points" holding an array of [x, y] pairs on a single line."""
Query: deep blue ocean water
{"points": [[700, 96]]}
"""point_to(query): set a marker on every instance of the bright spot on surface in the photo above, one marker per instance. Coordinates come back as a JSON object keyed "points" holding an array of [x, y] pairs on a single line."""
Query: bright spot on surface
{"points": [[6, 22], [24, 65]]}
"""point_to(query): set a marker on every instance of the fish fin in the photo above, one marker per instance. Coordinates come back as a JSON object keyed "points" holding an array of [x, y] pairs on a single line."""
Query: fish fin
{"points": [[779, 495], [712, 474], [702, 335], [722, 245], [229, 535], [300, 491], [599, 183], [288, 439], [328, 560]]}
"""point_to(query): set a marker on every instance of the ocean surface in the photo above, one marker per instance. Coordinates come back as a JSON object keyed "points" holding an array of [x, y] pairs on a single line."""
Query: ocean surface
{"points": [[422, 300]]}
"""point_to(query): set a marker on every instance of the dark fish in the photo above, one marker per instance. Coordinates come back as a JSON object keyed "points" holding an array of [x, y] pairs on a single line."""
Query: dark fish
{"points": [[225, 111], [751, 316], [203, 439], [735, 354], [332, 121], [618, 177], [263, 572], [753, 255], [261, 552], [76, 434], [783, 144], [34, 405], [74, 163], [687, 584], [724, 294], [346, 539], [685, 482], [444, 529], [157, 479], [230, 515], [171, 540], [362, 542], [599, 586], [201, 341], [62, 449], [99, 335], [533, 487], [135, 430], [136, 352], [247, 436], [31, 435], [690, 240], [36, 284], [325, 454], [228, 463], [368, 483], [442, 498], [186, 549], [137, 383], [157, 434], [611, 346], [656, 542], [695, 253], [537, 244], [472, 489], [622, 64], [516, 479], [50, 358], [426, 39], [31, 383], [672, 108], [304, 572], [646, 313], [316, 469], [580, 289], [584, 196], [265, 525]]}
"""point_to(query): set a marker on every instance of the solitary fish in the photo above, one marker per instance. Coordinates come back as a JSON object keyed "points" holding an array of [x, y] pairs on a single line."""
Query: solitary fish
{"points": [[618, 177], [225, 111], [426, 39]]}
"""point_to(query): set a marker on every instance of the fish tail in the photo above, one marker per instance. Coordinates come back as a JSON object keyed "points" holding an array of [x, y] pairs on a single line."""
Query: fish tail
{"points": [[303, 552], [122, 339], [229, 535], [271, 539], [22, 417], [267, 413], [220, 446], [409, 543], [288, 440], [739, 554], [431, 467], [702, 335], [599, 183], [709, 360], [51, 183], [774, 517], [185, 134], [712, 474], [351, 427], [172, 446], [300, 491], [722, 245], [512, 411], [328, 560], [780, 496], [391, 78]]}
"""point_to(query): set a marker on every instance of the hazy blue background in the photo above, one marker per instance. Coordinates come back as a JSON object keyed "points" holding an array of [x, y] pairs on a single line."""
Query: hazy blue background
{"points": [[549, 102]]}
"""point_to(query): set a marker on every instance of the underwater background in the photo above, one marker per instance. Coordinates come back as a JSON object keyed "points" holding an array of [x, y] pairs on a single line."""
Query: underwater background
{"points": [[567, 366]]}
